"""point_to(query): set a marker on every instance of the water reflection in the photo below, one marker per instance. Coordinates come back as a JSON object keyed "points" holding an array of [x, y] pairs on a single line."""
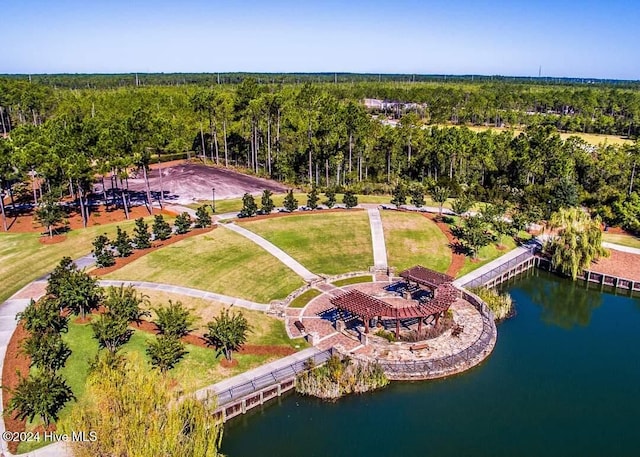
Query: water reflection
{"points": [[564, 304]]}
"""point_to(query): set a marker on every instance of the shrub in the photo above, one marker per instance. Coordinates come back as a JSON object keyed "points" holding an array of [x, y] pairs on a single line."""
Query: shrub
{"points": [[165, 352], [174, 320], [203, 219], [161, 229], [122, 243], [349, 199], [249, 207], [331, 198], [102, 253], [183, 223], [141, 235], [500, 304], [267, 202], [290, 203], [227, 332]]}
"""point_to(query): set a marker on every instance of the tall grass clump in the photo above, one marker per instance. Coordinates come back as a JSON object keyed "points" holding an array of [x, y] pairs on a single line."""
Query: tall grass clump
{"points": [[500, 304], [341, 376], [135, 412]]}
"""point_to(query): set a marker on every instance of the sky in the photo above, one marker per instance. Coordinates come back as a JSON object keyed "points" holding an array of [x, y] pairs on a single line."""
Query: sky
{"points": [[563, 38]]}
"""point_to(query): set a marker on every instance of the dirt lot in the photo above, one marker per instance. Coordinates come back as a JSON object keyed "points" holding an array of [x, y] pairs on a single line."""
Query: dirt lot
{"points": [[184, 183]]}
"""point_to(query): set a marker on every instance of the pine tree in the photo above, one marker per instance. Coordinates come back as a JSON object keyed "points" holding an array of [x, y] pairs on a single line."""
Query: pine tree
{"points": [[249, 207], [331, 198], [141, 235], [203, 219], [290, 203], [102, 253], [182, 223], [349, 199], [122, 243], [161, 229], [267, 202], [312, 198], [399, 194], [417, 195]]}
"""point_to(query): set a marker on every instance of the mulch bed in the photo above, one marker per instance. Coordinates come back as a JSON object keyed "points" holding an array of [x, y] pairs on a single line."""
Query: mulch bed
{"points": [[297, 213], [15, 363], [197, 340], [52, 239], [457, 261], [621, 264], [26, 223], [122, 261]]}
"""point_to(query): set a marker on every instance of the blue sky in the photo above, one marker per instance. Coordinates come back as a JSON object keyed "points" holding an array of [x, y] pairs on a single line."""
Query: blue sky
{"points": [[567, 38]]}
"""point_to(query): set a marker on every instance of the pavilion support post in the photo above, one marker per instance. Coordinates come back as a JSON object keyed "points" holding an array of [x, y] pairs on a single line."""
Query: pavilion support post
{"points": [[420, 325], [366, 324], [397, 328]]}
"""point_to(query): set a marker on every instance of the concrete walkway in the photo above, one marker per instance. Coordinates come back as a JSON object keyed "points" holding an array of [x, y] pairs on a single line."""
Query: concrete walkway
{"points": [[256, 373], [275, 251], [179, 209], [469, 277], [619, 247], [197, 293], [377, 238]]}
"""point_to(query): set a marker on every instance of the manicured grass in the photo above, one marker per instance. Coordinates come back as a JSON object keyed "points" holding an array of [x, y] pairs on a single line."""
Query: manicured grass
{"points": [[412, 239], [23, 258], [301, 300], [354, 280], [329, 243], [265, 329], [219, 261], [622, 238], [486, 255]]}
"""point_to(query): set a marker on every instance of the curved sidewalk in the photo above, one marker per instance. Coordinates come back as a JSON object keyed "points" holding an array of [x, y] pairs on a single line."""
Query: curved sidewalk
{"points": [[275, 251], [197, 293]]}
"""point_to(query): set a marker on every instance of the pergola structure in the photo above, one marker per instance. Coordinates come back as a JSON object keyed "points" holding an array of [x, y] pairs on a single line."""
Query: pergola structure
{"points": [[367, 307], [426, 277]]}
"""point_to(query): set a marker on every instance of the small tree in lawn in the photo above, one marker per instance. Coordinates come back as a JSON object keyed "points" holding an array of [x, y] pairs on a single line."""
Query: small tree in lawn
{"points": [[49, 213], [312, 198], [43, 316], [290, 203], [80, 294], [40, 395], [349, 199], [203, 218], [165, 352], [141, 235], [122, 243], [440, 194], [399, 194], [126, 302], [330, 194], [417, 195], [462, 204], [267, 202], [475, 234], [102, 253], [161, 229], [111, 331], [227, 332], [60, 275], [47, 351], [182, 223], [249, 207], [174, 320]]}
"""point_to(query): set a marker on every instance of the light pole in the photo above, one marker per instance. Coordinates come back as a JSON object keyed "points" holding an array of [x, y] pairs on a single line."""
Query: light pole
{"points": [[161, 186], [213, 200]]}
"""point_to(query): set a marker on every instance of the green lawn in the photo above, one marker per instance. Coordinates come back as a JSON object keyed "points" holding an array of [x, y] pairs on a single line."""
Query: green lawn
{"points": [[412, 239], [354, 280], [219, 261], [486, 255], [622, 238], [23, 258], [301, 300], [199, 368], [328, 243]]}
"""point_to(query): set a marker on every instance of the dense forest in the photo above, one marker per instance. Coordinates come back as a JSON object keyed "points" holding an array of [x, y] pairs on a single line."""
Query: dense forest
{"points": [[295, 130]]}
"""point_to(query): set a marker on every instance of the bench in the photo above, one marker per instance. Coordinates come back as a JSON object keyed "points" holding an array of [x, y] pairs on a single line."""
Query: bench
{"points": [[417, 347], [457, 330], [300, 326]]}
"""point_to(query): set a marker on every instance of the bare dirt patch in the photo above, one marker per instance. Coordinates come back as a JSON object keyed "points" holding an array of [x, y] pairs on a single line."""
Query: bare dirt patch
{"points": [[184, 183], [620, 264]]}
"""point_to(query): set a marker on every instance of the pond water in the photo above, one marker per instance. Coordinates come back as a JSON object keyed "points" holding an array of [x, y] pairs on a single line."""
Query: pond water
{"points": [[563, 380]]}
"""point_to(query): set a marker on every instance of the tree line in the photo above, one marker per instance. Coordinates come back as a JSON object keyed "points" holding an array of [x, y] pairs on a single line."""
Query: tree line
{"points": [[60, 140]]}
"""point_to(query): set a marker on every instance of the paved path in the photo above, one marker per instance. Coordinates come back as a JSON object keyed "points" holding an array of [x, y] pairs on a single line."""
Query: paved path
{"points": [[179, 209], [377, 238], [197, 293], [274, 251], [258, 372], [619, 247], [466, 279]]}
